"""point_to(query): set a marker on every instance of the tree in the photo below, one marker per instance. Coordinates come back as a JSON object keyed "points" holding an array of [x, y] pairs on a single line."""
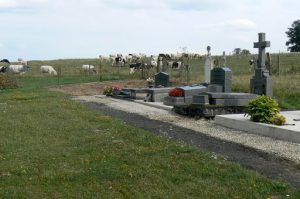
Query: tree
{"points": [[237, 51], [293, 34], [245, 52]]}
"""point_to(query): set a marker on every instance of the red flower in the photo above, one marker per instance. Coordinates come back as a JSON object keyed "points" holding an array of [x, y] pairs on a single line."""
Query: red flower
{"points": [[176, 92]]}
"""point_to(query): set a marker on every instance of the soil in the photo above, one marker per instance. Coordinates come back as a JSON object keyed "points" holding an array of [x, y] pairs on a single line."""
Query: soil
{"points": [[264, 163], [97, 88]]}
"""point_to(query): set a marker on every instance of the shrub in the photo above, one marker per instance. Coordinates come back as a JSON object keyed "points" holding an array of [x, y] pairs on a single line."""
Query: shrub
{"points": [[108, 91], [263, 109], [279, 120], [7, 82]]}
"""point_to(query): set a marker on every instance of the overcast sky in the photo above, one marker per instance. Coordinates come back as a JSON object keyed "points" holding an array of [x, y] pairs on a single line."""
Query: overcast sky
{"points": [[52, 29]]}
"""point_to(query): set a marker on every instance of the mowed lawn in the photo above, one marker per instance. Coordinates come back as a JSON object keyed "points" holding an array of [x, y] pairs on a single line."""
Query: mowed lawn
{"points": [[52, 147]]}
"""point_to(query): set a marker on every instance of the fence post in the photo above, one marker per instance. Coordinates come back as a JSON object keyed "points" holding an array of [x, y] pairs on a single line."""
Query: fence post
{"points": [[58, 75], [100, 70], [278, 64]]}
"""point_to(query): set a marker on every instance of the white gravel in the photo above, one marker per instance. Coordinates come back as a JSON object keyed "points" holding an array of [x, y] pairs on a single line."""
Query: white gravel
{"points": [[280, 148]]}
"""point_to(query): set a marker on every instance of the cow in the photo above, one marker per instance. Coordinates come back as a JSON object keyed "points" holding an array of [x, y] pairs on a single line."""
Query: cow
{"points": [[17, 69], [139, 66], [135, 66], [176, 65], [3, 69], [119, 61], [88, 68], [48, 69], [5, 61]]}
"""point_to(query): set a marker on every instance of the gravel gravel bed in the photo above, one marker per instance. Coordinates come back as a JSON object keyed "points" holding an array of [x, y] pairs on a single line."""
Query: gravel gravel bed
{"points": [[283, 149]]}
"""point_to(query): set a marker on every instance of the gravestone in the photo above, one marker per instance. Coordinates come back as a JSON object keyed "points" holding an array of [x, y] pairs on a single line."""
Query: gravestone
{"points": [[261, 82], [223, 77], [208, 65], [162, 79]]}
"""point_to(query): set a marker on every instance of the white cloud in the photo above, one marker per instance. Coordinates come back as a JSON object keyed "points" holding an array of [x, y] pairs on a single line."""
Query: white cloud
{"points": [[86, 28], [8, 3], [241, 24]]}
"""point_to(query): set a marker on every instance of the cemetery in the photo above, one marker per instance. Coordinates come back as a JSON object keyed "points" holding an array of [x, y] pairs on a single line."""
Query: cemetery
{"points": [[150, 99], [214, 97], [154, 104]]}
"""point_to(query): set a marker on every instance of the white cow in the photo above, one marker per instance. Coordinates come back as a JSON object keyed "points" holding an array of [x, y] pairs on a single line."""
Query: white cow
{"points": [[88, 68], [17, 69], [48, 69]]}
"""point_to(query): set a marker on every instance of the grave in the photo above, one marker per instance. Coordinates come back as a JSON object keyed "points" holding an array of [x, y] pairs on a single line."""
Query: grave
{"points": [[222, 77], [261, 82], [161, 79], [208, 100]]}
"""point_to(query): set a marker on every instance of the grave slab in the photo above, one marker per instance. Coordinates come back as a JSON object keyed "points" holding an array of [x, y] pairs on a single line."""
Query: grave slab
{"points": [[159, 105], [290, 132]]}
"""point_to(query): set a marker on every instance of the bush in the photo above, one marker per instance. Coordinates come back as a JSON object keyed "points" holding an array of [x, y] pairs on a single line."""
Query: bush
{"points": [[279, 120], [7, 82], [263, 109], [108, 91]]}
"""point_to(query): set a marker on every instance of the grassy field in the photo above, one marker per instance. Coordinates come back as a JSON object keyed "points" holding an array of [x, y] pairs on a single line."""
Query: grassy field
{"points": [[52, 147]]}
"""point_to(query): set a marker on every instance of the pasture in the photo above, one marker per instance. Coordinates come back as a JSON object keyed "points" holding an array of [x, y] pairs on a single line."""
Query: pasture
{"points": [[52, 147]]}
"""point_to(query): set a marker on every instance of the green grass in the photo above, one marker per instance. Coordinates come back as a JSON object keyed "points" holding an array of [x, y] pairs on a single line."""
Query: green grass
{"points": [[52, 147]]}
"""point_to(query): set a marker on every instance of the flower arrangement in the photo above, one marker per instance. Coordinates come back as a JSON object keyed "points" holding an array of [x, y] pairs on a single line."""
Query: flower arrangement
{"points": [[176, 92], [150, 82], [116, 89]]}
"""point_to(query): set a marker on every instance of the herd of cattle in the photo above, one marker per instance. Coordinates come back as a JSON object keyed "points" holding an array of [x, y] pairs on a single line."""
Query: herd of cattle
{"points": [[134, 61]]}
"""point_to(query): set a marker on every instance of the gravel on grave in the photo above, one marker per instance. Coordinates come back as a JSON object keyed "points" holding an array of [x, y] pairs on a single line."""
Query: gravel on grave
{"points": [[283, 149]]}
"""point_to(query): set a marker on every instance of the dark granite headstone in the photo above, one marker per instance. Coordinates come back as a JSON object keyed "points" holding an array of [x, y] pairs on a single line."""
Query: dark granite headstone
{"points": [[261, 82], [223, 77], [161, 79]]}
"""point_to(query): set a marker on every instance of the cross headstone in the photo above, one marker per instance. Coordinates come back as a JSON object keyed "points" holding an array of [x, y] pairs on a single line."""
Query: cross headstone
{"points": [[261, 82], [208, 65], [261, 45]]}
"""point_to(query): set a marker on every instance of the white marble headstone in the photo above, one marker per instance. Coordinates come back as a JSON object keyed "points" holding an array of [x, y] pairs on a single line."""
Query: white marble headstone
{"points": [[208, 65]]}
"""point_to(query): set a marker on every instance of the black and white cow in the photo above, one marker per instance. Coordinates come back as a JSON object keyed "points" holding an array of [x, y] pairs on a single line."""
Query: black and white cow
{"points": [[3, 69], [119, 61], [135, 66], [176, 65]]}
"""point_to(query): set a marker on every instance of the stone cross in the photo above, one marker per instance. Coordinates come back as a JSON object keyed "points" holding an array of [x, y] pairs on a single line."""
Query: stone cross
{"points": [[261, 45], [261, 82]]}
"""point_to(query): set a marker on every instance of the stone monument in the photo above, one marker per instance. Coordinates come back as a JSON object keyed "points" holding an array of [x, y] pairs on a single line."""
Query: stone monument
{"points": [[208, 65], [261, 82], [224, 59], [162, 79]]}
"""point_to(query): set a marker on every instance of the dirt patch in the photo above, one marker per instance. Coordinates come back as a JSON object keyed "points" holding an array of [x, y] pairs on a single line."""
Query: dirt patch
{"points": [[97, 88]]}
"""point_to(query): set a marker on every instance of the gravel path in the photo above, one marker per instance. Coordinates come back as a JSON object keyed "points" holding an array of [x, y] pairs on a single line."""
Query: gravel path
{"points": [[272, 158]]}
